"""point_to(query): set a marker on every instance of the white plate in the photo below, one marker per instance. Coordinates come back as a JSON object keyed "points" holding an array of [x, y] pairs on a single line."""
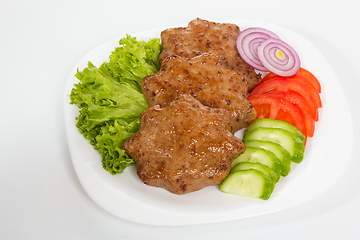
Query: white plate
{"points": [[125, 196]]}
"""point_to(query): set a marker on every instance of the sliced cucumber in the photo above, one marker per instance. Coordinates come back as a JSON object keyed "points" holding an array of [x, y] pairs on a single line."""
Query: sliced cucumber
{"points": [[248, 183], [280, 136], [257, 166], [259, 155], [273, 123], [271, 146], [277, 149]]}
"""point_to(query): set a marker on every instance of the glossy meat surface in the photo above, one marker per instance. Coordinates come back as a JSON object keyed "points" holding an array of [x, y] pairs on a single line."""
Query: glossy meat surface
{"points": [[184, 146], [204, 78], [202, 36]]}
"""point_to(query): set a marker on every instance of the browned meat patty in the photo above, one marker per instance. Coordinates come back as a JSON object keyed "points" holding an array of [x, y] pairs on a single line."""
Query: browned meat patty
{"points": [[204, 78], [184, 146], [202, 36]]}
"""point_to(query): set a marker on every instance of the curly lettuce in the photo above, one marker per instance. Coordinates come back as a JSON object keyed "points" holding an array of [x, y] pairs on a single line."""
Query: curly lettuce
{"points": [[111, 101]]}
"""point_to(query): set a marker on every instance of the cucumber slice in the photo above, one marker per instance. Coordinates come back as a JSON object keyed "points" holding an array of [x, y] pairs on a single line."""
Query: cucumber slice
{"points": [[248, 183], [280, 136], [277, 149], [273, 123], [262, 156], [257, 166]]}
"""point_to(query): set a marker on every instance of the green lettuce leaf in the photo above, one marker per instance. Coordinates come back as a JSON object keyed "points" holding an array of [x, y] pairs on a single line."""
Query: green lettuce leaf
{"points": [[111, 101], [135, 59]]}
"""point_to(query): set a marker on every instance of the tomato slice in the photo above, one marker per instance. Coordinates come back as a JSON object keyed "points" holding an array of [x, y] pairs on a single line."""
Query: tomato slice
{"points": [[303, 73], [304, 82], [268, 106], [269, 75], [289, 85], [300, 102], [310, 77]]}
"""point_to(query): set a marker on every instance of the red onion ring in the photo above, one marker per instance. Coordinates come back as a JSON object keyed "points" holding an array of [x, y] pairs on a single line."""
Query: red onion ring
{"points": [[279, 57], [247, 43], [264, 51]]}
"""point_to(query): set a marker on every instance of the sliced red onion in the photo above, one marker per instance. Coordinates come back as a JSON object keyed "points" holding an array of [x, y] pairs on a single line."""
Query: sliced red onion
{"points": [[278, 57], [247, 43]]}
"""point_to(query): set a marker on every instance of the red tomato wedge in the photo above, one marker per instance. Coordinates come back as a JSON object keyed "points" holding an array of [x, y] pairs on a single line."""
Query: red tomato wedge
{"points": [[301, 73], [269, 106], [290, 85], [300, 102]]}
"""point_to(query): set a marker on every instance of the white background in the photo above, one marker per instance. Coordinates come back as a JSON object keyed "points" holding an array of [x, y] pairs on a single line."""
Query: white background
{"points": [[41, 41]]}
